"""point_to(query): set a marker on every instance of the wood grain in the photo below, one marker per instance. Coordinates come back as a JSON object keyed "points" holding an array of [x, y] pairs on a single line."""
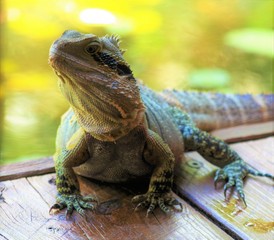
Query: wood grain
{"points": [[24, 215], [245, 132], [26, 169], [195, 182], [25, 202]]}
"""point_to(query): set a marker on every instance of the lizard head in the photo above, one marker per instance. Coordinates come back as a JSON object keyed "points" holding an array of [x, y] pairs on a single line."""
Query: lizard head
{"points": [[98, 83]]}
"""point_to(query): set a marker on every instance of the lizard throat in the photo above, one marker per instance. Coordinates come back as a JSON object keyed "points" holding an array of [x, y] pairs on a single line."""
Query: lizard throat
{"points": [[106, 115], [104, 129]]}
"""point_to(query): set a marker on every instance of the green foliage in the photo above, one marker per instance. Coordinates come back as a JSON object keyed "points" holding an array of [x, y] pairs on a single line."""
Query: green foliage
{"points": [[257, 41], [166, 41], [208, 79]]}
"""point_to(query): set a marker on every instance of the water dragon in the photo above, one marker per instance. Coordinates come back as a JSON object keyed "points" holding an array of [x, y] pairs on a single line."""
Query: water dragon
{"points": [[117, 129]]}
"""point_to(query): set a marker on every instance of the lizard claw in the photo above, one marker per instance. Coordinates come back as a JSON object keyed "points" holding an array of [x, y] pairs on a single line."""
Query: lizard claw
{"points": [[73, 202], [234, 173], [230, 183], [219, 176], [153, 200]]}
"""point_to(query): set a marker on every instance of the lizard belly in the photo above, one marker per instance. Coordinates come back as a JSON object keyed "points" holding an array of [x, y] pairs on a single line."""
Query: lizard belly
{"points": [[118, 161]]}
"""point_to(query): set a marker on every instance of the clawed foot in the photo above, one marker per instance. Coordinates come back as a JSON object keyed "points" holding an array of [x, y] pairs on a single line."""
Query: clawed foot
{"points": [[233, 174], [153, 200], [73, 201]]}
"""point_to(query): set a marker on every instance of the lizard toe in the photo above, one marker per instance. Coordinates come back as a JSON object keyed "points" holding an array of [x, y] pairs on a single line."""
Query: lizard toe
{"points": [[89, 198], [56, 208], [230, 183], [73, 202], [163, 206], [151, 208], [143, 204], [153, 200], [240, 190], [69, 210], [220, 175], [257, 173], [235, 173], [138, 198]]}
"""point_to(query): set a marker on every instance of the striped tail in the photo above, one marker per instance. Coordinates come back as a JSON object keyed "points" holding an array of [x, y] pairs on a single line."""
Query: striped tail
{"points": [[211, 111]]}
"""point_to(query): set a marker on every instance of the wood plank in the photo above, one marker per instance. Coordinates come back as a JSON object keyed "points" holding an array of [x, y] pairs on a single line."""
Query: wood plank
{"points": [[26, 169], [254, 222], [245, 132], [24, 215], [195, 182], [46, 165]]}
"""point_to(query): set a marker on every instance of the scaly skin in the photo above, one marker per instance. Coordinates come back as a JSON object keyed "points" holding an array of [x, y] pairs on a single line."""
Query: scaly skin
{"points": [[117, 129]]}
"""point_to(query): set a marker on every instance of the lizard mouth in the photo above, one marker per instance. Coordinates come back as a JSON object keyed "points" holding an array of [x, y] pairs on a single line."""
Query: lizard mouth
{"points": [[63, 62], [59, 75], [57, 57]]}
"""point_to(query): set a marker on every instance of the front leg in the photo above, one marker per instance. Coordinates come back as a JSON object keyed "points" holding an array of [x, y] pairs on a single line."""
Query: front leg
{"points": [[68, 155], [158, 153], [219, 153]]}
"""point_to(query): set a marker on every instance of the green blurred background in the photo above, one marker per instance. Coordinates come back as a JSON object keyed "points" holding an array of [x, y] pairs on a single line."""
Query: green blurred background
{"points": [[216, 45]]}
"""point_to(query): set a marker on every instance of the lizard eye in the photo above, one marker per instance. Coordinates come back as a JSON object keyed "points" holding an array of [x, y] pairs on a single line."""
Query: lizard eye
{"points": [[93, 48]]}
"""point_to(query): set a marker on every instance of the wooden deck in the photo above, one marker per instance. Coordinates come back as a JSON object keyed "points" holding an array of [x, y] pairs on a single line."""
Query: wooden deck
{"points": [[27, 191]]}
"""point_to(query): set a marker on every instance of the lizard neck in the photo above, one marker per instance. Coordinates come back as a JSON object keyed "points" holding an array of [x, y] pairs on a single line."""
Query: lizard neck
{"points": [[106, 115], [98, 84], [106, 128]]}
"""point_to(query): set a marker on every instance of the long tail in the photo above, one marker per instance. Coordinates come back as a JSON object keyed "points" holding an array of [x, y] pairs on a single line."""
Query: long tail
{"points": [[214, 110]]}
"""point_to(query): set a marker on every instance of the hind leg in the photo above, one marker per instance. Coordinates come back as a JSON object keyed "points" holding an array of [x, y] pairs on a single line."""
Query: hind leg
{"points": [[216, 151]]}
